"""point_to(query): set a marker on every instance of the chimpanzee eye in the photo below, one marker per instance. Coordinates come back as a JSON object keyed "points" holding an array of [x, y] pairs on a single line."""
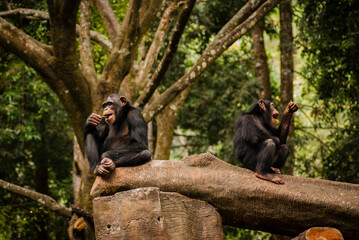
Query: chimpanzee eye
{"points": [[104, 105]]}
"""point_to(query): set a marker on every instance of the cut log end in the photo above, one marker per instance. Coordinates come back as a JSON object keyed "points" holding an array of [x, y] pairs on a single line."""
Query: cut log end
{"points": [[323, 233]]}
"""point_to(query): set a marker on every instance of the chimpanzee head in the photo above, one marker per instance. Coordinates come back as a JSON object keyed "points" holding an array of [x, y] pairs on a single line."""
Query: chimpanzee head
{"points": [[266, 111], [112, 107]]}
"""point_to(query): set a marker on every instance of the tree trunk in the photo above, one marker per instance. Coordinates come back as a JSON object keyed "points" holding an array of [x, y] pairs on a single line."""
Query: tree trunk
{"points": [[287, 69], [82, 181], [166, 122], [243, 200], [260, 61]]}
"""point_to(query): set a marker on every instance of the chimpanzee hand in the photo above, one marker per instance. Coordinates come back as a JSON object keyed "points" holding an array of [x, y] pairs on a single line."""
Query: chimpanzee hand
{"points": [[108, 164], [94, 119], [101, 170], [105, 168], [292, 107]]}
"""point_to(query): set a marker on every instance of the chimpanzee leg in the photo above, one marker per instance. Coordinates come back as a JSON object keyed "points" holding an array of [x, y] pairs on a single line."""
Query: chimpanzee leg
{"points": [[265, 156], [281, 156], [128, 155], [92, 150]]}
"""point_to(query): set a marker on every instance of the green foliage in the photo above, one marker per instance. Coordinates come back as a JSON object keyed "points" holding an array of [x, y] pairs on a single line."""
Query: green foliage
{"points": [[232, 233], [34, 134], [329, 37], [221, 94]]}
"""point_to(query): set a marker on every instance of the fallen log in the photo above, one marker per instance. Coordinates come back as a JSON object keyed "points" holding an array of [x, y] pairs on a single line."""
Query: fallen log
{"points": [[244, 200]]}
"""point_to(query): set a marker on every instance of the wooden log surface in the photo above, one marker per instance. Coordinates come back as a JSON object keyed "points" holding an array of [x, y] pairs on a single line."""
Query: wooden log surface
{"points": [[244, 200]]}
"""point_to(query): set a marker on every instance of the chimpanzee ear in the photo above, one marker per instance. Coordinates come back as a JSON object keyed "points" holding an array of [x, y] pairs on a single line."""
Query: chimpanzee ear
{"points": [[123, 101], [261, 104]]}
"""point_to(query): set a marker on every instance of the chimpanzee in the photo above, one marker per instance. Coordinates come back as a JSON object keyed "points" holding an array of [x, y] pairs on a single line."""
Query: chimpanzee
{"points": [[258, 144], [117, 139]]}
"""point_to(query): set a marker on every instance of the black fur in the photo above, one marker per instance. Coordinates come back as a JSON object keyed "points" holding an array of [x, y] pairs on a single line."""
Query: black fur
{"points": [[256, 143], [125, 142]]}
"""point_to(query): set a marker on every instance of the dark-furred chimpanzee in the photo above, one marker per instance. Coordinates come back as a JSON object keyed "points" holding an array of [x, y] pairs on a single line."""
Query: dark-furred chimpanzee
{"points": [[258, 144], [117, 139]]}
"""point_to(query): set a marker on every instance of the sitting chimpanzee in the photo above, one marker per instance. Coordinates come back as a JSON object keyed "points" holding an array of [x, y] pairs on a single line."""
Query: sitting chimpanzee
{"points": [[258, 144], [117, 139]]}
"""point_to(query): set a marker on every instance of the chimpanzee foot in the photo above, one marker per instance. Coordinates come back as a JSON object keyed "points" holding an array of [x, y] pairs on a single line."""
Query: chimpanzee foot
{"points": [[275, 170], [269, 177]]}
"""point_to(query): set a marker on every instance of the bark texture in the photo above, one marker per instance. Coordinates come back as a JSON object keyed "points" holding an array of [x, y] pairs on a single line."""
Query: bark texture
{"points": [[147, 213], [244, 200], [286, 71], [260, 60]]}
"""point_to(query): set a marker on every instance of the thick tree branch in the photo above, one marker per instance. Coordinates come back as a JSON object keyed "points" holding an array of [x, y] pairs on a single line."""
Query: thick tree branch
{"points": [[240, 16], [43, 199], [162, 67], [76, 98], [24, 46], [108, 17], [244, 200], [122, 53], [63, 17], [149, 9], [212, 52], [102, 40], [88, 66]]}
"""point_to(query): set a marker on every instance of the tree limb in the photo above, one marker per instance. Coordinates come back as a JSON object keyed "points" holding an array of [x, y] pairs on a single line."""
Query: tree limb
{"points": [[212, 52], [162, 67], [108, 18], [28, 49], [149, 9], [43, 199], [156, 44], [237, 19], [244, 200], [122, 54], [88, 66], [34, 14]]}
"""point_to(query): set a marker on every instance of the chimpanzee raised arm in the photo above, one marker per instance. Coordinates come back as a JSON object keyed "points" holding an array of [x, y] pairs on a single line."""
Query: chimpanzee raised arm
{"points": [[258, 144]]}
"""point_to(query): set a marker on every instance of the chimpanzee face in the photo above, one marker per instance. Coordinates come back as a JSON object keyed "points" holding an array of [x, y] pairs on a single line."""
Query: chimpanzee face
{"points": [[108, 111], [269, 112], [112, 107]]}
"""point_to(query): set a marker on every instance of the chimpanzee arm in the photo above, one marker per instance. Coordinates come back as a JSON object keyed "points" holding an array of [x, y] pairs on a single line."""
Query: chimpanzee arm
{"points": [[94, 137], [251, 130], [283, 128], [137, 127]]}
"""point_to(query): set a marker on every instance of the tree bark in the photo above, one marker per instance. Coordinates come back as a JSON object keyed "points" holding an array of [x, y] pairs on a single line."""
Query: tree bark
{"points": [[166, 122], [260, 61], [287, 69], [244, 200]]}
